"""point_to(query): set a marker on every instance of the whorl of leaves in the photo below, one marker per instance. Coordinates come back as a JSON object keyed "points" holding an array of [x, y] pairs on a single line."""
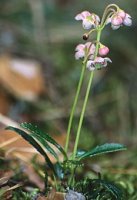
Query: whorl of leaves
{"points": [[97, 189]]}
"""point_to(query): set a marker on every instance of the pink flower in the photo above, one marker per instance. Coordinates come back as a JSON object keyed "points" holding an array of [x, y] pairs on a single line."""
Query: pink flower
{"points": [[83, 49], [122, 13], [103, 50], [89, 20], [98, 63], [118, 19]]}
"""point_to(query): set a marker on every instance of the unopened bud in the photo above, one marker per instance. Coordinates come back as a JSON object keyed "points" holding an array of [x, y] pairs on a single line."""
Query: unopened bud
{"points": [[85, 36], [103, 50]]}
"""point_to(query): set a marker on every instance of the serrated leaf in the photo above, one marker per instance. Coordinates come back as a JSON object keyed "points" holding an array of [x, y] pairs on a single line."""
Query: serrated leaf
{"points": [[102, 149], [34, 143], [45, 145], [47, 137], [112, 188]]}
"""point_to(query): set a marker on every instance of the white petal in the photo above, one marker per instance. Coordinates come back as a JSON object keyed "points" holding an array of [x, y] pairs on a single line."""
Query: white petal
{"points": [[106, 60], [79, 54], [108, 21], [128, 20], [90, 65], [97, 18], [87, 24], [79, 17], [115, 27]]}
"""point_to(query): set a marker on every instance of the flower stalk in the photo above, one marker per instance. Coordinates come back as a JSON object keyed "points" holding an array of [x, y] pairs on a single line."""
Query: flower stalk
{"points": [[86, 99], [93, 54], [74, 107]]}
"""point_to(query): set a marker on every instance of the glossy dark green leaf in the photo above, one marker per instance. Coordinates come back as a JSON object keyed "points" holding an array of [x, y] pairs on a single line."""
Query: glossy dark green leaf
{"points": [[45, 145], [114, 190], [47, 137], [35, 144], [102, 149]]}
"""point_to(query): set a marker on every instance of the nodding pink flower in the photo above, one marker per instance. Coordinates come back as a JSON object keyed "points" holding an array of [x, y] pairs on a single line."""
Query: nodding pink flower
{"points": [[118, 19], [89, 20], [122, 14], [103, 50], [83, 49], [98, 63]]}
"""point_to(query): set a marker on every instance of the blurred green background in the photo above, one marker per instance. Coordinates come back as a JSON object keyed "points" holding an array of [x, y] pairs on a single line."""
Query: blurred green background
{"points": [[45, 30]]}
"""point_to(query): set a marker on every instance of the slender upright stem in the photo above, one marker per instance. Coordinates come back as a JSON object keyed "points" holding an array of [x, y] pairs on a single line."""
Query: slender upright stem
{"points": [[86, 98], [82, 115], [72, 179], [74, 106]]}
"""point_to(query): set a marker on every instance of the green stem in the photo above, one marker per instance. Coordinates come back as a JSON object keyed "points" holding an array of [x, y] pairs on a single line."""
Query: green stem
{"points": [[74, 106], [86, 99], [72, 179], [82, 116]]}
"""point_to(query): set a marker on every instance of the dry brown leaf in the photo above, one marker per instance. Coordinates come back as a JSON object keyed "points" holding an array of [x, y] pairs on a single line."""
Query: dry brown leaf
{"points": [[15, 145], [22, 77], [4, 102], [33, 176]]}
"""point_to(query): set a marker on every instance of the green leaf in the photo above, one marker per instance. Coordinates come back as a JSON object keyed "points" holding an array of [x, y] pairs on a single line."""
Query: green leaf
{"points": [[34, 143], [99, 189], [114, 190], [102, 149], [46, 145], [47, 137]]}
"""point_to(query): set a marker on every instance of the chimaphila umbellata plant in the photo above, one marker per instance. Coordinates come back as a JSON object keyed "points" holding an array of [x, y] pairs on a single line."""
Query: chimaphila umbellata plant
{"points": [[93, 55]]}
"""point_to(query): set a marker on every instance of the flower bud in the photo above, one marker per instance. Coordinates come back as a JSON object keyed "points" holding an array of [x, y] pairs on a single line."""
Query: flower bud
{"points": [[103, 50], [85, 36]]}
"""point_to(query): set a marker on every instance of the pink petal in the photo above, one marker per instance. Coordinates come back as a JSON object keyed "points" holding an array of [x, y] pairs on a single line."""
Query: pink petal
{"points": [[92, 49], [80, 47], [82, 15], [99, 60], [116, 20], [88, 44], [86, 14], [103, 51], [122, 14]]}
